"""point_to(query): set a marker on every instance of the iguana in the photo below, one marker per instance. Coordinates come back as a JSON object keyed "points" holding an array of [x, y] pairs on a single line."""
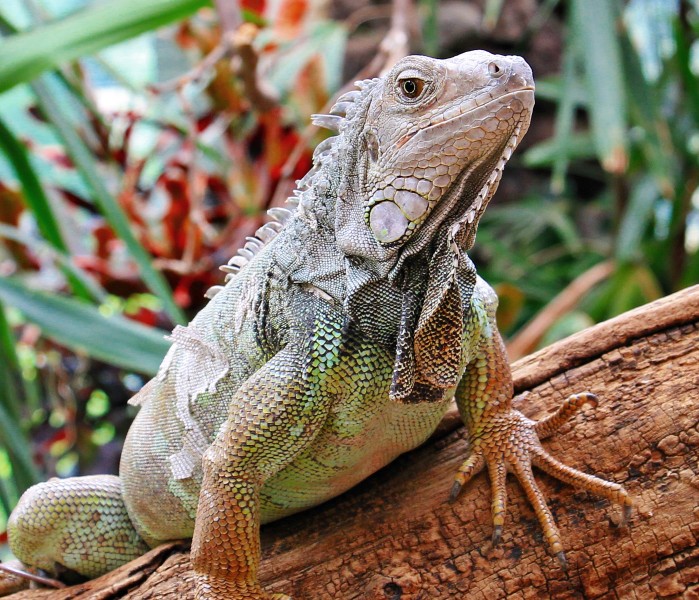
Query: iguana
{"points": [[345, 329]]}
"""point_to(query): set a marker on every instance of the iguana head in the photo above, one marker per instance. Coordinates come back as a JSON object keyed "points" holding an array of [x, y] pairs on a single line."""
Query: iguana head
{"points": [[423, 148]]}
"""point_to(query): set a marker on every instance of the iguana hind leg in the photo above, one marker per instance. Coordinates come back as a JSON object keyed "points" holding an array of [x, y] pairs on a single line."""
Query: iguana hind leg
{"points": [[77, 525]]}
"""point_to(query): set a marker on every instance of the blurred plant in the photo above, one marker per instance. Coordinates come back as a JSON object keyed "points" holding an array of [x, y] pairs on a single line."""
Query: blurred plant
{"points": [[625, 142]]}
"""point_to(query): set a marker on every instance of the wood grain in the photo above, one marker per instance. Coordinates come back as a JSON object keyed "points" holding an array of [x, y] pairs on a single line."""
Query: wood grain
{"points": [[395, 536]]}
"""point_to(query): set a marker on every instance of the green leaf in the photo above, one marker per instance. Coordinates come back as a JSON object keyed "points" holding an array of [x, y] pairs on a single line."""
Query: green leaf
{"points": [[565, 121], [594, 23], [33, 192], [635, 220], [27, 55], [17, 446], [491, 14], [553, 88], [549, 152], [36, 199], [82, 328], [645, 110], [430, 26], [9, 368], [11, 437]]}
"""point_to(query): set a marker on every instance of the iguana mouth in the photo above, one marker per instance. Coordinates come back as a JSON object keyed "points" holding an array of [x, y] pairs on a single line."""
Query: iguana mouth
{"points": [[408, 136], [461, 225], [471, 110]]}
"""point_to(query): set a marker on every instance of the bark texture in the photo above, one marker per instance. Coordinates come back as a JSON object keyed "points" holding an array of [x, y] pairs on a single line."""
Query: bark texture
{"points": [[395, 536]]}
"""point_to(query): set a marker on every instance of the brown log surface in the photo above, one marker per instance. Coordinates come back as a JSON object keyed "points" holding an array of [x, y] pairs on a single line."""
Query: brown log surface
{"points": [[395, 537]]}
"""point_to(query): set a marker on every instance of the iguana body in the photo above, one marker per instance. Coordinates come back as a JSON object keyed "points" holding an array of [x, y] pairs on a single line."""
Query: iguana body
{"points": [[338, 345]]}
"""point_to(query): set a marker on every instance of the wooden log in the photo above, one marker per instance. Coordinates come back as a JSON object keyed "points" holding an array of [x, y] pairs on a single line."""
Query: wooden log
{"points": [[395, 536]]}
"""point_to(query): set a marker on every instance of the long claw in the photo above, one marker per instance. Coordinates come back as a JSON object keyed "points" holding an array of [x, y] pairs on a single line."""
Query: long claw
{"points": [[543, 512], [626, 511], [455, 490], [606, 489], [471, 466], [497, 535], [562, 560], [498, 474]]}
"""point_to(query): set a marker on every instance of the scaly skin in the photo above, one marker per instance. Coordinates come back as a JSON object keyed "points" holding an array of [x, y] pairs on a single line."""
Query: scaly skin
{"points": [[337, 347]]}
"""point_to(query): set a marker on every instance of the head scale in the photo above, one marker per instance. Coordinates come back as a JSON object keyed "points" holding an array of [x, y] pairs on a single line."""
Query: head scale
{"points": [[423, 149]]}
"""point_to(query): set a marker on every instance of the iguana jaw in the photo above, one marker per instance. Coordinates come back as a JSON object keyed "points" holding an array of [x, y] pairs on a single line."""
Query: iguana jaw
{"points": [[457, 216], [467, 223], [407, 202]]}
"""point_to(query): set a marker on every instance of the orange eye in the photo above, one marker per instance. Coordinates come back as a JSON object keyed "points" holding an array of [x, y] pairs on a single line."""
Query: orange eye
{"points": [[411, 87]]}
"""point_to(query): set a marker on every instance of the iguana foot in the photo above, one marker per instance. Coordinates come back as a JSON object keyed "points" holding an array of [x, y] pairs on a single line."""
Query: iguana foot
{"points": [[218, 588], [510, 442]]}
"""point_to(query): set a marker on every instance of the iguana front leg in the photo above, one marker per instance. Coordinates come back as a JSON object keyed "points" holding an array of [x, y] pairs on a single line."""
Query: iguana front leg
{"points": [[503, 439], [273, 417]]}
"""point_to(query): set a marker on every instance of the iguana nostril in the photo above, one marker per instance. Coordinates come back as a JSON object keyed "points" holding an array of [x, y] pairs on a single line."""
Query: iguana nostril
{"points": [[495, 70]]}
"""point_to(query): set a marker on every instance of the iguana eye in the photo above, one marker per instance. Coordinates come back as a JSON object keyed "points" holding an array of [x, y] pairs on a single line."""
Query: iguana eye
{"points": [[411, 87]]}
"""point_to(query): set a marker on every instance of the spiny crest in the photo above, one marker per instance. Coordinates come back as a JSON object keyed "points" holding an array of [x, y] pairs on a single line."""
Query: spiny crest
{"points": [[340, 116], [253, 245]]}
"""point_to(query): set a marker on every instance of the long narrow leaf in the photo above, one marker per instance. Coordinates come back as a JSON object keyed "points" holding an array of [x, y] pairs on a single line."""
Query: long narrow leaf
{"points": [[645, 109], [83, 328], [635, 220], [16, 390], [9, 368], [11, 437], [108, 205], [565, 120], [63, 260], [685, 64], [34, 195], [36, 199], [595, 24], [17, 446], [5, 500], [574, 147], [27, 55], [75, 86]]}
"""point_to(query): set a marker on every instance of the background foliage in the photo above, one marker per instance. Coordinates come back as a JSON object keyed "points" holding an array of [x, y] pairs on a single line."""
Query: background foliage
{"points": [[126, 177]]}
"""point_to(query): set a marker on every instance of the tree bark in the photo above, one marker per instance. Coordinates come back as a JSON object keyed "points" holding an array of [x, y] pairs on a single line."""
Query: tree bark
{"points": [[395, 536]]}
